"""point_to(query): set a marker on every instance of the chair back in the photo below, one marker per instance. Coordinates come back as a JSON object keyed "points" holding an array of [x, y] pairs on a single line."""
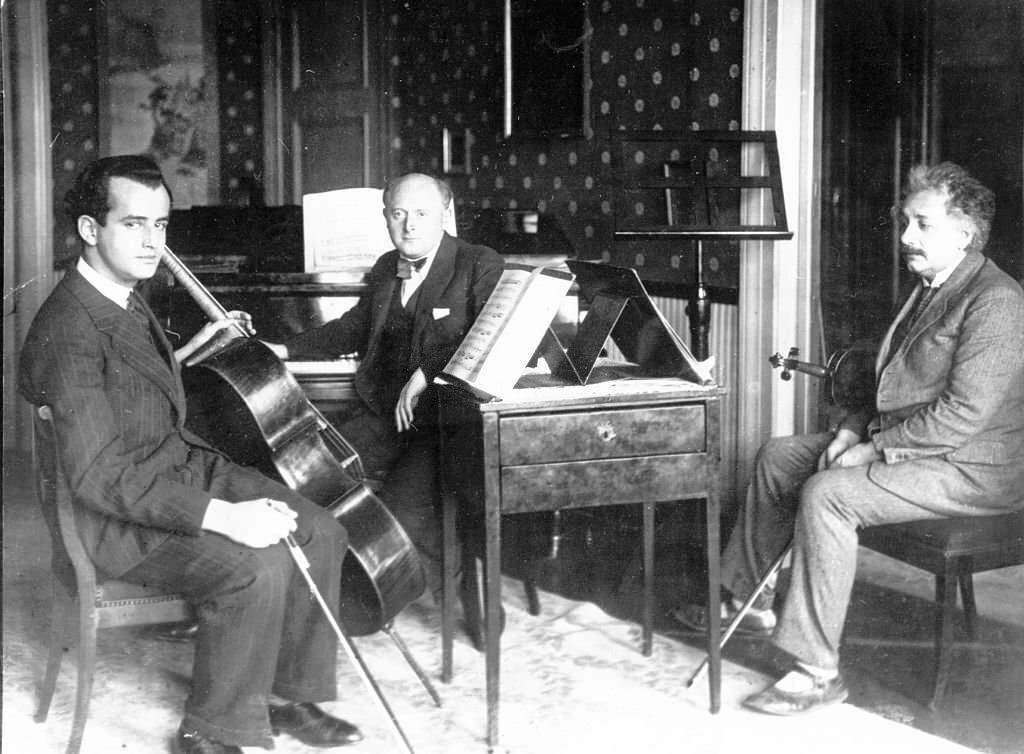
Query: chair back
{"points": [[115, 602], [70, 563]]}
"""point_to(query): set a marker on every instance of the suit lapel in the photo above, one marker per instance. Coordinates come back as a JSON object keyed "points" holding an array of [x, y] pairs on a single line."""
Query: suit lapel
{"points": [[442, 270], [136, 350], [947, 293], [382, 304]]}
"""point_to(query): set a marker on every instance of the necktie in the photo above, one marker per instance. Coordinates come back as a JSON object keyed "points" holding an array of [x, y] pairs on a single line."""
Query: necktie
{"points": [[904, 325], [406, 266], [137, 312]]}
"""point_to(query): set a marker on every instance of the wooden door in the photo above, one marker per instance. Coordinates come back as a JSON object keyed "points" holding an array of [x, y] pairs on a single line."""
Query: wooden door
{"points": [[331, 115]]}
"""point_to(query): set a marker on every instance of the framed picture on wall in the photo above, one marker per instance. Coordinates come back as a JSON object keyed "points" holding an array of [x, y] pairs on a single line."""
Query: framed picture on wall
{"points": [[158, 91], [547, 65]]}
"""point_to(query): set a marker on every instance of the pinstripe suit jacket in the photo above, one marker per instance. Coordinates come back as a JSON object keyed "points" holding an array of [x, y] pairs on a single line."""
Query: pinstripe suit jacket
{"points": [[119, 412], [950, 399]]}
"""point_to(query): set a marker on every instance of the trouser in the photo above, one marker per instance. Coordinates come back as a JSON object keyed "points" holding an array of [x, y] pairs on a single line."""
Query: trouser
{"points": [[404, 469], [260, 632], [787, 499]]}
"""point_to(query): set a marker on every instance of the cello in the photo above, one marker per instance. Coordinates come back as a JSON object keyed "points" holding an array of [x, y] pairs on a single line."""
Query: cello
{"points": [[244, 401]]}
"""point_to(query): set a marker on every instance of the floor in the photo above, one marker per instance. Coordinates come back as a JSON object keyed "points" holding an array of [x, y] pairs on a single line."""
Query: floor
{"points": [[888, 643]]}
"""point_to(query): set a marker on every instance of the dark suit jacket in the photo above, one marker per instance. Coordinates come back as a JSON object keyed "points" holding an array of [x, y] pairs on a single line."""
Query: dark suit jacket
{"points": [[950, 400], [460, 279], [119, 412]]}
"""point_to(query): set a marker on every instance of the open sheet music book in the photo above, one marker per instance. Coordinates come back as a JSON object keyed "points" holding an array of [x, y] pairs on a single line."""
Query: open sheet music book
{"points": [[508, 330]]}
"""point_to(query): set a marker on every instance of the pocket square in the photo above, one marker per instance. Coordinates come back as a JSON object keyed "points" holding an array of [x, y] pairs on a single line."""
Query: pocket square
{"points": [[441, 313]]}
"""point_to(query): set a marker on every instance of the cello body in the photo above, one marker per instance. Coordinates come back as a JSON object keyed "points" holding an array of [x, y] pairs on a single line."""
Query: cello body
{"points": [[245, 402]]}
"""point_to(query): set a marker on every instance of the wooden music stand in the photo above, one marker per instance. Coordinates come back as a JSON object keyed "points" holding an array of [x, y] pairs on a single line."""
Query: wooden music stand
{"points": [[620, 308]]}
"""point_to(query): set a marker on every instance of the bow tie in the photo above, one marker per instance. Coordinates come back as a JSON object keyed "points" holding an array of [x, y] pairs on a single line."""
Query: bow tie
{"points": [[406, 266]]}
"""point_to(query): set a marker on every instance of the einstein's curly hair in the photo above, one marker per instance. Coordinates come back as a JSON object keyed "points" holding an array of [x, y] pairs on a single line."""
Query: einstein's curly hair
{"points": [[90, 194], [965, 196]]}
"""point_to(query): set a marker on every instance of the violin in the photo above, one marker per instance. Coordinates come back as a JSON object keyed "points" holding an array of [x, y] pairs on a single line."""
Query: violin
{"points": [[849, 374], [243, 401]]}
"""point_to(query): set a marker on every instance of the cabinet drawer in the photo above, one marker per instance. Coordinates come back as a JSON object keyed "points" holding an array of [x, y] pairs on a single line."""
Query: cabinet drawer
{"points": [[603, 482], [577, 436]]}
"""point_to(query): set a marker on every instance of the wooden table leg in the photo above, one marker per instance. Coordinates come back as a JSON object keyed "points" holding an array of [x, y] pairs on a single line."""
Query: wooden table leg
{"points": [[448, 553], [492, 631], [714, 602], [648, 555]]}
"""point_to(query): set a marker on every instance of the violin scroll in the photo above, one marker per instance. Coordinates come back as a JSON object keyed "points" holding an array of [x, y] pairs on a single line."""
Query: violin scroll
{"points": [[849, 374], [792, 364], [787, 363]]}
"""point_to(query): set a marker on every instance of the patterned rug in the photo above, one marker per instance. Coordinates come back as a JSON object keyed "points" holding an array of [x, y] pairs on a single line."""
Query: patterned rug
{"points": [[573, 680]]}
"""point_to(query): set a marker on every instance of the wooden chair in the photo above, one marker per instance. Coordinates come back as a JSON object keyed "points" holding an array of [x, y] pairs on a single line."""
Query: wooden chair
{"points": [[98, 603], [953, 549]]}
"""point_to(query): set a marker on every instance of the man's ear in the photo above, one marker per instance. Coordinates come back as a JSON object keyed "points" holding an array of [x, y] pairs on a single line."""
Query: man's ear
{"points": [[967, 232], [448, 220], [88, 229]]}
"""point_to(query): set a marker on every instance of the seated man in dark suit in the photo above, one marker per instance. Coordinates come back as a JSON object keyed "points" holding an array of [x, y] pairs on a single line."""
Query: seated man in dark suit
{"points": [[156, 505], [421, 299], [945, 438]]}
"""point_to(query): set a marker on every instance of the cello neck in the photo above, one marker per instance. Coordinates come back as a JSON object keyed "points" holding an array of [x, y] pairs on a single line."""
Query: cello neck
{"points": [[210, 306]]}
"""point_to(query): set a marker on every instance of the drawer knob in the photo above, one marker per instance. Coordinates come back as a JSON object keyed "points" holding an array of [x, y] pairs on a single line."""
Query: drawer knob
{"points": [[606, 432]]}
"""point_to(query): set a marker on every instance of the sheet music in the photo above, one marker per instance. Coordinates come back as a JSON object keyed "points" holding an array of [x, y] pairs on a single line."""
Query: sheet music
{"points": [[508, 329], [344, 230]]}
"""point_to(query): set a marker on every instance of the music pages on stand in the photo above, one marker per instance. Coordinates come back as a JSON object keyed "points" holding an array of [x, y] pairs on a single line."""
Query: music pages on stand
{"points": [[515, 323], [505, 336], [620, 308]]}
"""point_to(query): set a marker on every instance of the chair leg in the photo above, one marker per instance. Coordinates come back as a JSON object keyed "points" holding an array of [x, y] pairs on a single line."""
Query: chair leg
{"points": [[87, 629], [966, 579], [945, 597], [54, 653]]}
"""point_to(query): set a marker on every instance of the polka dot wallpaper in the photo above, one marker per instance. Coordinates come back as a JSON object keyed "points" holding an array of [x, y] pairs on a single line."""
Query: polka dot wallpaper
{"points": [[74, 96], [74, 93], [654, 65]]}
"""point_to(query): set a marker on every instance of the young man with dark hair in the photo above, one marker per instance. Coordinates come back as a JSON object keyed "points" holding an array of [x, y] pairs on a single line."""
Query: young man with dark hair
{"points": [[156, 505]]}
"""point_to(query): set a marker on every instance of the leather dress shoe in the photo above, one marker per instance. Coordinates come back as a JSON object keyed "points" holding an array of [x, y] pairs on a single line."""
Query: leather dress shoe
{"points": [[311, 725], [193, 742], [176, 632], [774, 701]]}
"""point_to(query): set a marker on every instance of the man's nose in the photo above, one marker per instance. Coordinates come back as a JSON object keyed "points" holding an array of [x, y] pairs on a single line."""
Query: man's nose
{"points": [[152, 237], [907, 234]]}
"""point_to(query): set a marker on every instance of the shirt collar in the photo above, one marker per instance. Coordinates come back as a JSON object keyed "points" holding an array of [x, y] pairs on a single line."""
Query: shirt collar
{"points": [[942, 277], [428, 259], [114, 291]]}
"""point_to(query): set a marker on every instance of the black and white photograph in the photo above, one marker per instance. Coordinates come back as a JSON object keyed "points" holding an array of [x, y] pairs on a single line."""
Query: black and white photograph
{"points": [[513, 376]]}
